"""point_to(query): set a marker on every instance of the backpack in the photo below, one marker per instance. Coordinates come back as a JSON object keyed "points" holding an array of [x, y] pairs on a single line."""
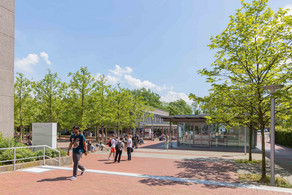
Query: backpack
{"points": [[119, 146], [109, 143]]}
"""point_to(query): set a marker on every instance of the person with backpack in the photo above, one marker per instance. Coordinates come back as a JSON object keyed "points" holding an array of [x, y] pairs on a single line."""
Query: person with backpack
{"points": [[119, 149], [112, 145]]}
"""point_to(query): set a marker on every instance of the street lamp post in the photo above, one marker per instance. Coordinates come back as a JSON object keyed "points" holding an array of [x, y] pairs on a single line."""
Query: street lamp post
{"points": [[245, 140], [272, 89]]}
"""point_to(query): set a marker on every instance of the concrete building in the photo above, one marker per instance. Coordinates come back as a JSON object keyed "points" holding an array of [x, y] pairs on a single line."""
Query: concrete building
{"points": [[7, 67]]}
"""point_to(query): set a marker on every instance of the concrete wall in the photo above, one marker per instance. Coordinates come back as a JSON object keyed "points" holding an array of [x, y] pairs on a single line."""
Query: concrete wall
{"points": [[7, 67]]}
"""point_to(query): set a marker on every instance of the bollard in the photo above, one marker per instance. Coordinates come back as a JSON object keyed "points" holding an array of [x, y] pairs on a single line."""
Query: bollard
{"points": [[44, 155], [59, 158], [14, 159]]}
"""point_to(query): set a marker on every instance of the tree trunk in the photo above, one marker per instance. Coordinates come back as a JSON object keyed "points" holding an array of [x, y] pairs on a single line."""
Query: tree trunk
{"points": [[250, 143], [263, 154], [105, 134]]}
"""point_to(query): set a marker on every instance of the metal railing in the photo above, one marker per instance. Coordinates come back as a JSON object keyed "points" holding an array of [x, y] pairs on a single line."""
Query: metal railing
{"points": [[38, 146]]}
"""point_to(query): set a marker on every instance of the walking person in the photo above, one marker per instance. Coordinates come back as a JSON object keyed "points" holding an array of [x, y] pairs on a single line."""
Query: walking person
{"points": [[166, 141], [77, 140], [129, 147], [113, 146], [119, 149]]}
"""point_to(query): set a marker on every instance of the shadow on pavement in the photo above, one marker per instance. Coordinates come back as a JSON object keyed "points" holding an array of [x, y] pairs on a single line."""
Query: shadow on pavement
{"points": [[158, 182], [54, 179], [212, 169], [153, 146]]}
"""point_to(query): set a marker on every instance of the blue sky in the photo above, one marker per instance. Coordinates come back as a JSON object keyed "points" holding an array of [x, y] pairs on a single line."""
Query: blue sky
{"points": [[157, 44]]}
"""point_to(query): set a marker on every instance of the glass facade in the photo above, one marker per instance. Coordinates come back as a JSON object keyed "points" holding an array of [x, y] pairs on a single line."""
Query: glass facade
{"points": [[202, 135]]}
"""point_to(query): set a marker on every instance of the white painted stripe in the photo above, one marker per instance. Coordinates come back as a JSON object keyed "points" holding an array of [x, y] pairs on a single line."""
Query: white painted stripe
{"points": [[36, 169], [195, 181]]}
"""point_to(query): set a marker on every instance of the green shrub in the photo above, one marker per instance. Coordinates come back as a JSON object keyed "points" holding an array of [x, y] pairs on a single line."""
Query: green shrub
{"points": [[283, 137], [51, 153], [9, 142], [23, 152], [20, 153]]}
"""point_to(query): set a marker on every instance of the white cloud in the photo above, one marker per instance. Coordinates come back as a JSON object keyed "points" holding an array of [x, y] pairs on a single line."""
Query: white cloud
{"points": [[26, 64], [289, 6], [137, 83], [45, 56], [173, 96], [112, 80], [120, 71]]}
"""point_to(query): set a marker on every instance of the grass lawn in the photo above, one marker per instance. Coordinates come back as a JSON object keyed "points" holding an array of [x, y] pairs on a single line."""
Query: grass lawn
{"points": [[248, 162], [279, 182]]}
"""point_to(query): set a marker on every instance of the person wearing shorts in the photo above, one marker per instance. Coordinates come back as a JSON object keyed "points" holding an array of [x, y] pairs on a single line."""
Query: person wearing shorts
{"points": [[113, 146]]}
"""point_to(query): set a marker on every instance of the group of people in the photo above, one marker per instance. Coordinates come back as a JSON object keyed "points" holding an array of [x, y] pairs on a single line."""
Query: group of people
{"points": [[77, 142], [118, 145]]}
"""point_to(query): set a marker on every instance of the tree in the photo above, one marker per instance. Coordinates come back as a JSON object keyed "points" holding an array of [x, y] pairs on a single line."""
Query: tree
{"points": [[231, 105], [120, 107], [179, 107], [22, 90], [253, 50], [80, 86], [100, 101], [152, 99], [48, 97]]}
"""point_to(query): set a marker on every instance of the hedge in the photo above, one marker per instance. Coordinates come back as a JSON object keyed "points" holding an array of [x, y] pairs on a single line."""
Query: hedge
{"points": [[283, 137]]}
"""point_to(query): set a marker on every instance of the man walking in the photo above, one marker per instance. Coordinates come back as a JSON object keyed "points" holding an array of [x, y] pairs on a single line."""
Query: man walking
{"points": [[77, 140], [129, 147]]}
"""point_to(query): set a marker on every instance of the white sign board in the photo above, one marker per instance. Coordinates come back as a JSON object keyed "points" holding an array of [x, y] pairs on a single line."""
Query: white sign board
{"points": [[44, 134]]}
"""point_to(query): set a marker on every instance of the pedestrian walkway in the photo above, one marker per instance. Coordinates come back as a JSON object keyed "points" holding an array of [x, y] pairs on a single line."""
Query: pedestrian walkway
{"points": [[151, 171]]}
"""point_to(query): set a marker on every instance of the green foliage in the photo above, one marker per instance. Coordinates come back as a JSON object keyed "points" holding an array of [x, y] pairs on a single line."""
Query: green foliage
{"points": [[8, 142], [253, 51], [51, 153], [279, 182], [152, 99], [23, 152], [179, 107], [20, 153], [78, 102], [283, 136], [47, 91], [247, 161]]}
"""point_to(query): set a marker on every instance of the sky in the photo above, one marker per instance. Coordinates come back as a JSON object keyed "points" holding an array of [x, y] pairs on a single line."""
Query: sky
{"points": [[156, 44]]}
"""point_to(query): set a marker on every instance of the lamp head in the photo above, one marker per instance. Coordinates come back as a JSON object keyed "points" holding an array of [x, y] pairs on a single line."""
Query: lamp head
{"points": [[273, 88]]}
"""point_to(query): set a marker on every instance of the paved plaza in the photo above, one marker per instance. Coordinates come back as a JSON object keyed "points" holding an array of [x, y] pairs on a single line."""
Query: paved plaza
{"points": [[151, 171]]}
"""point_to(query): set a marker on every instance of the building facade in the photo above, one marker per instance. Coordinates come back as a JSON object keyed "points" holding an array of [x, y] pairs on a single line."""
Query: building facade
{"points": [[7, 67], [152, 120], [193, 131]]}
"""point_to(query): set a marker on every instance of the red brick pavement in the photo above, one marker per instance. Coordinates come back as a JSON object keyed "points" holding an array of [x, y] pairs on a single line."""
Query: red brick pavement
{"points": [[57, 181], [187, 168]]}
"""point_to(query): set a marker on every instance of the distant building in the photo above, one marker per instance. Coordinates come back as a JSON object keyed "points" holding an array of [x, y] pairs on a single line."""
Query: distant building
{"points": [[155, 124], [193, 131]]}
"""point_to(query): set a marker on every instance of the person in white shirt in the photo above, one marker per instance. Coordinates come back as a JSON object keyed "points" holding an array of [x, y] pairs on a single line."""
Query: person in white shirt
{"points": [[113, 146], [129, 146]]}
